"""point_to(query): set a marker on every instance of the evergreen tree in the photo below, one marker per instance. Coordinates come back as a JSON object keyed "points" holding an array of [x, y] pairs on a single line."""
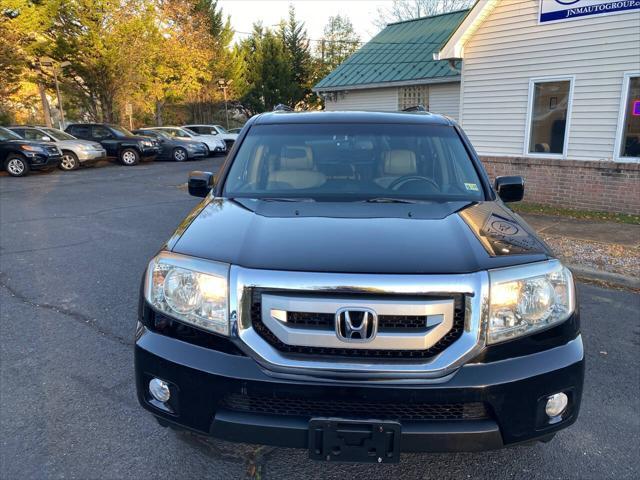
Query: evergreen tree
{"points": [[268, 77], [339, 41], [296, 43]]}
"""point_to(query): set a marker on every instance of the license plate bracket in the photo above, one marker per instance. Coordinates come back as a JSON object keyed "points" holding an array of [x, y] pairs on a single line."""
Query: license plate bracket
{"points": [[358, 441]]}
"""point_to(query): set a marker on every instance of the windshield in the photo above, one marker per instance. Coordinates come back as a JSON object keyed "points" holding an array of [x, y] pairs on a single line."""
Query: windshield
{"points": [[8, 135], [338, 162], [121, 131], [58, 134], [187, 132], [221, 129], [159, 133]]}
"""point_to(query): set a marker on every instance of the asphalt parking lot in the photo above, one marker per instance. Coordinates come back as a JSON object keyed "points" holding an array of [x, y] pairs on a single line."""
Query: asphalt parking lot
{"points": [[72, 249]]}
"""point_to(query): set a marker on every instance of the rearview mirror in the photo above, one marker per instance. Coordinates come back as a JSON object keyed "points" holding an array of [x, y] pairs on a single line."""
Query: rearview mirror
{"points": [[510, 189], [200, 183]]}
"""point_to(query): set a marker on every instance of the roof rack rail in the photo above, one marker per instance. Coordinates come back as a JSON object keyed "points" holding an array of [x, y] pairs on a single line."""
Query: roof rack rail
{"points": [[281, 107], [415, 108]]}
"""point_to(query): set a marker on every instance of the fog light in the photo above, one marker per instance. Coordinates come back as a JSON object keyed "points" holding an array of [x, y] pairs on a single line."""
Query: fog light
{"points": [[556, 404], [159, 390]]}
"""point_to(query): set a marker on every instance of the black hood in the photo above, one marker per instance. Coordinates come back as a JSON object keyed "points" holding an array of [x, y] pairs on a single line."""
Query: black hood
{"points": [[424, 238]]}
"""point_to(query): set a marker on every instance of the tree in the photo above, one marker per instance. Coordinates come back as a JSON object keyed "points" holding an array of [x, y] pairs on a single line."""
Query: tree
{"points": [[408, 9], [296, 44], [267, 78], [175, 59], [339, 41]]}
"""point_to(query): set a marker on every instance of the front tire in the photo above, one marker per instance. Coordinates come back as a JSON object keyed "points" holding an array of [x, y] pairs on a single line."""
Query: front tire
{"points": [[16, 165], [69, 161], [180, 155], [129, 157]]}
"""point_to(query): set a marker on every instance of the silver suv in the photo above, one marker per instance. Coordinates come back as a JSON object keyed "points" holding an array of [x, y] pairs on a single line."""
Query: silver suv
{"points": [[75, 152]]}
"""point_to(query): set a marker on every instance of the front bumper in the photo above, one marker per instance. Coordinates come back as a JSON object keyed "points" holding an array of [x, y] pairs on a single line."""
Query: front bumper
{"points": [[513, 390], [91, 156], [38, 161], [149, 153]]}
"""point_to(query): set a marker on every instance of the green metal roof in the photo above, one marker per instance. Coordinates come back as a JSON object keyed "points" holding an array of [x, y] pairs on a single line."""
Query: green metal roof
{"points": [[402, 52]]}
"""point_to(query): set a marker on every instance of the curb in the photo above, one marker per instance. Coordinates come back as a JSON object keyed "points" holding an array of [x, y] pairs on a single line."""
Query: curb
{"points": [[607, 277]]}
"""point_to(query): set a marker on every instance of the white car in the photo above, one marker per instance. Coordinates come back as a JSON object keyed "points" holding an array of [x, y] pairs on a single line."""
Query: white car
{"points": [[216, 130], [215, 145]]}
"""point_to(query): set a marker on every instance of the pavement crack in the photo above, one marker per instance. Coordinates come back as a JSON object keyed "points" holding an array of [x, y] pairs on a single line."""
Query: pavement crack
{"points": [[98, 212], [78, 317], [40, 249]]}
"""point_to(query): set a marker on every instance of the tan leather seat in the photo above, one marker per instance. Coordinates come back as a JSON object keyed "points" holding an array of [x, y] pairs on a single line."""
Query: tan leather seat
{"points": [[296, 170], [396, 164]]}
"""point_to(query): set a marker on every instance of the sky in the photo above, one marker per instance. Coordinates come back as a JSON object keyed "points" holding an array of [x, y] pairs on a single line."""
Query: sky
{"points": [[314, 13]]}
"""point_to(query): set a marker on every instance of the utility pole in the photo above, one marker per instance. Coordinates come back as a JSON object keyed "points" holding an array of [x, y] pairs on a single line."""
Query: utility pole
{"points": [[224, 85], [48, 62]]}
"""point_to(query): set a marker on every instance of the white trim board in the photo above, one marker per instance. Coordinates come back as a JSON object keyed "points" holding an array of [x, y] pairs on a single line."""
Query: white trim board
{"points": [[624, 93]]}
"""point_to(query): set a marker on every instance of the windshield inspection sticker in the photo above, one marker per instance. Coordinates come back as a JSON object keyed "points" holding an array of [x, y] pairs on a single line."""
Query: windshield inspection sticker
{"points": [[471, 186]]}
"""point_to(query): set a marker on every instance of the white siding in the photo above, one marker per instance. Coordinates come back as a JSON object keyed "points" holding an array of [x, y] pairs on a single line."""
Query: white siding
{"points": [[375, 99], [444, 98], [510, 47]]}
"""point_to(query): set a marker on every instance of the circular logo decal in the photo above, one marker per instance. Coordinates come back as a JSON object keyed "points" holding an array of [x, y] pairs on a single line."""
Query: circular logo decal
{"points": [[504, 228], [567, 2]]}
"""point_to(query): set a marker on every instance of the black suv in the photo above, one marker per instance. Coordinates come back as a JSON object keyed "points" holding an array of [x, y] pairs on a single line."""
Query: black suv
{"points": [[119, 143], [19, 156], [174, 148], [352, 284]]}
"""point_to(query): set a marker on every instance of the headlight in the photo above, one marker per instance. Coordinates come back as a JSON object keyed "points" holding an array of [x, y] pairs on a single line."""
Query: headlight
{"points": [[191, 290], [147, 143], [528, 298], [32, 148]]}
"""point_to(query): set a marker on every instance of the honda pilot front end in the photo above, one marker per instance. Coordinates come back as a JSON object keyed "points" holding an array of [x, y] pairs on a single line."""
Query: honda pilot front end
{"points": [[352, 284]]}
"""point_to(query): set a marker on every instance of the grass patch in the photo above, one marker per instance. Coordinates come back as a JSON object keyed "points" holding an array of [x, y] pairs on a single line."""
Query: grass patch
{"points": [[525, 207]]}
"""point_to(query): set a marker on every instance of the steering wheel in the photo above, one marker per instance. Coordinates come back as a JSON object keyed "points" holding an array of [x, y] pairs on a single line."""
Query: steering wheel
{"points": [[401, 181]]}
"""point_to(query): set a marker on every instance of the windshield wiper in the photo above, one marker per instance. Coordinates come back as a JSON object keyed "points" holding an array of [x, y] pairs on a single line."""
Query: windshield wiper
{"points": [[286, 199], [389, 200]]}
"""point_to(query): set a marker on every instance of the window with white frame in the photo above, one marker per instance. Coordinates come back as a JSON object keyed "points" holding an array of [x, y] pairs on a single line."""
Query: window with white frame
{"points": [[629, 143], [413, 96], [549, 109]]}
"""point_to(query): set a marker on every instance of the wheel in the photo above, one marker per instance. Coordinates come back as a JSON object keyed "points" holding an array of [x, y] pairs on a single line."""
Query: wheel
{"points": [[129, 157], [69, 161], [16, 165], [180, 154]]}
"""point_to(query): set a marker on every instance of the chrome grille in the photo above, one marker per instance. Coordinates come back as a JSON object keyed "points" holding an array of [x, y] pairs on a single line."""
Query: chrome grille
{"points": [[394, 323], [448, 343]]}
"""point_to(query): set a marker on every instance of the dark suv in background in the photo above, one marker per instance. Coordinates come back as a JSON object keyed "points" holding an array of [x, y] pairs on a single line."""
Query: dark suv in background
{"points": [[352, 284], [119, 143], [174, 148], [19, 156]]}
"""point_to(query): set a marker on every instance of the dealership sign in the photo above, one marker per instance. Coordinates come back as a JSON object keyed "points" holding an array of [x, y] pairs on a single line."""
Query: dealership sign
{"points": [[558, 10]]}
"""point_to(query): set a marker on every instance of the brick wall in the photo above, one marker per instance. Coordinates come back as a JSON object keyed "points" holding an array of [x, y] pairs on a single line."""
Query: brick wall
{"points": [[583, 185]]}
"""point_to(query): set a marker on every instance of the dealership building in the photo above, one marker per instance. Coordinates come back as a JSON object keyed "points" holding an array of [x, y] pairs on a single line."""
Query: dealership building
{"points": [[546, 89]]}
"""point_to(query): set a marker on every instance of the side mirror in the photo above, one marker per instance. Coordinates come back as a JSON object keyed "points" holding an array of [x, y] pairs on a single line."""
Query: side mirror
{"points": [[510, 189], [45, 138], [200, 183]]}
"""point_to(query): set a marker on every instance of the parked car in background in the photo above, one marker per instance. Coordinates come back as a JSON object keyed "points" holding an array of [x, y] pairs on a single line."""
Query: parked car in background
{"points": [[228, 137], [18, 156], [235, 130], [119, 142], [175, 148], [215, 145], [75, 152]]}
